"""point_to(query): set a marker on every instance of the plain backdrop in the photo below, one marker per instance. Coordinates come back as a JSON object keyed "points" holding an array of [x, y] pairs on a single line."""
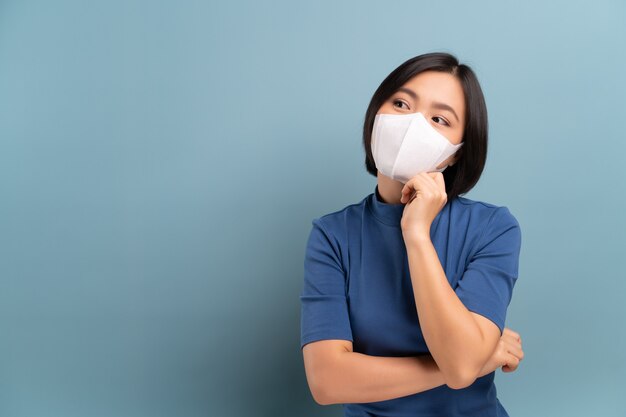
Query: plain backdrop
{"points": [[161, 162]]}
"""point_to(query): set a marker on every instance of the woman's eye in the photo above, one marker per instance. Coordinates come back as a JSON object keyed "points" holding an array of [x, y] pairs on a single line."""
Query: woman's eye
{"points": [[401, 103], [446, 123]]}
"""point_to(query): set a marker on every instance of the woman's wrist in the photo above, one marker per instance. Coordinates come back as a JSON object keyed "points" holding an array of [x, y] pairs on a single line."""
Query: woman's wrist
{"points": [[416, 236]]}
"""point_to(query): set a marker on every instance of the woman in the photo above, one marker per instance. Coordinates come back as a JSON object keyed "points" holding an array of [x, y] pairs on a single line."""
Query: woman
{"points": [[405, 292]]}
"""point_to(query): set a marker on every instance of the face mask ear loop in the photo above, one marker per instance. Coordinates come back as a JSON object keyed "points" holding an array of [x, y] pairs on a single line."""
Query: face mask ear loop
{"points": [[458, 153]]}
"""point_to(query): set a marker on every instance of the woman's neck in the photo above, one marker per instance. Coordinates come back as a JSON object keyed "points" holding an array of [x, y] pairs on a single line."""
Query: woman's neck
{"points": [[389, 189]]}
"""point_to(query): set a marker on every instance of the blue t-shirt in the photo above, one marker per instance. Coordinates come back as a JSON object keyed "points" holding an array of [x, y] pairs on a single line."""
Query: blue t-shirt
{"points": [[357, 287]]}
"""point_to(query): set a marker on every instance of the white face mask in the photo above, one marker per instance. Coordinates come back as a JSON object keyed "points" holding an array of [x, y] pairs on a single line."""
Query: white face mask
{"points": [[403, 145]]}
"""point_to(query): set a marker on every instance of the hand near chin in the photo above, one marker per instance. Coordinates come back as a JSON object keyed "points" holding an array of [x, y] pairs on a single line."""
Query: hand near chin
{"points": [[424, 196]]}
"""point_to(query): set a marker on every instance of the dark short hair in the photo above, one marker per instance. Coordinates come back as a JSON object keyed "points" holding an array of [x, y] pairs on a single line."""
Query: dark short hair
{"points": [[464, 174]]}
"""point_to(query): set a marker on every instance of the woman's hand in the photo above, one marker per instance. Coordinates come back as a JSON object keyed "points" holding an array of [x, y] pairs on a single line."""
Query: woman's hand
{"points": [[424, 196], [507, 354]]}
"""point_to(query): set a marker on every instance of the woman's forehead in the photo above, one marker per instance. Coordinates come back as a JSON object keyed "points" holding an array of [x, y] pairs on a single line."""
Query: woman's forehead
{"points": [[436, 86]]}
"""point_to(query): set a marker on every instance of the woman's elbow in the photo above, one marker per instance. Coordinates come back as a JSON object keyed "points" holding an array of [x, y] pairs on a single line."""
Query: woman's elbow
{"points": [[320, 388], [318, 396], [322, 394], [461, 379], [323, 370]]}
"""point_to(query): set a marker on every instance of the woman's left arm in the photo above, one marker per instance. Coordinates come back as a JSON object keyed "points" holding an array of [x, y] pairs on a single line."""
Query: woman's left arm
{"points": [[460, 341]]}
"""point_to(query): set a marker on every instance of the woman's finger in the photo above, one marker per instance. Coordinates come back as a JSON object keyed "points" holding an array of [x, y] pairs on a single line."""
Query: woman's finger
{"points": [[407, 189], [430, 182], [512, 333], [511, 342], [515, 350], [438, 180], [512, 338], [512, 362], [423, 183], [411, 186], [428, 185]]}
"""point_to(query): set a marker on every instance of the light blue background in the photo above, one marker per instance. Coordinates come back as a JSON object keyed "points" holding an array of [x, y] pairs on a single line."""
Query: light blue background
{"points": [[161, 163]]}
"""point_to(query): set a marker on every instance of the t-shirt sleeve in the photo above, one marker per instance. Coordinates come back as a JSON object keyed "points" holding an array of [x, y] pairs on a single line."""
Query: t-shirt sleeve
{"points": [[486, 286], [324, 309]]}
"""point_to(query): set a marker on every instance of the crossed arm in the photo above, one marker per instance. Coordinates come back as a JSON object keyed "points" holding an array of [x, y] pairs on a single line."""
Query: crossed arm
{"points": [[461, 344], [336, 374]]}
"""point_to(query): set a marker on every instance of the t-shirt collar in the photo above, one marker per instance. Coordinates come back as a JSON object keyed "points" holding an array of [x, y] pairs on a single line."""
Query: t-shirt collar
{"points": [[387, 213]]}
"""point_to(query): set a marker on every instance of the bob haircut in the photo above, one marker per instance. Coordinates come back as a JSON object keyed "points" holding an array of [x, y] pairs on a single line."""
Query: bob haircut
{"points": [[464, 174]]}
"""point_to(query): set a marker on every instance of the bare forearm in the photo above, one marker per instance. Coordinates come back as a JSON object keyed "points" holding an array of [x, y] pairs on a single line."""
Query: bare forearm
{"points": [[358, 378], [448, 327]]}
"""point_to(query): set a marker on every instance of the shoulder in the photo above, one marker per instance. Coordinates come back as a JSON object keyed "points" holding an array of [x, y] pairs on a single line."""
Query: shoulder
{"points": [[330, 231], [485, 213], [492, 224], [336, 222]]}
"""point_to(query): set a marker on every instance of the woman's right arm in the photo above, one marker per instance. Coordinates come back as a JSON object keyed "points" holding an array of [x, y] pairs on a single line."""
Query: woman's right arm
{"points": [[336, 374]]}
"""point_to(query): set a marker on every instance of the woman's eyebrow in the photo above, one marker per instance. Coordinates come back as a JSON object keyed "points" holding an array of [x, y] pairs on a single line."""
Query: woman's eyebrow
{"points": [[436, 104]]}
